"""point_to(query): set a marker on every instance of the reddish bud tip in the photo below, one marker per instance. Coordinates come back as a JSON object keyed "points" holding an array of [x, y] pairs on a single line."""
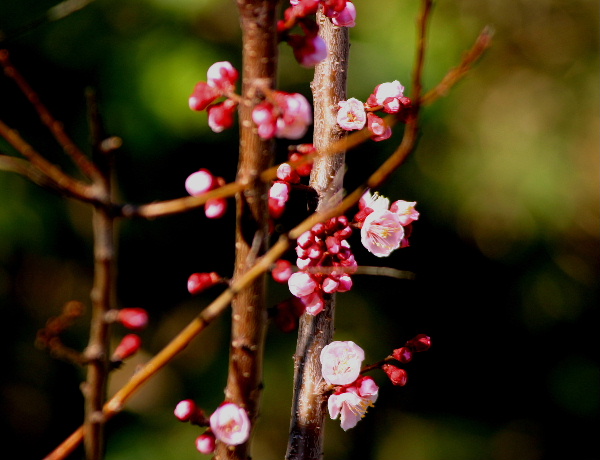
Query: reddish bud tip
{"points": [[188, 411], [403, 354], [421, 342], [133, 318], [397, 376], [198, 282], [129, 345]]}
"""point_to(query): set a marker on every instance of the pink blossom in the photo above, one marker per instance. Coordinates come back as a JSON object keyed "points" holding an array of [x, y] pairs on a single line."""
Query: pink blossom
{"points": [[301, 284], [388, 95], [222, 75], [376, 202], [351, 114], [406, 211], [297, 115], [352, 402], [381, 232], [345, 283], [346, 17], [221, 115], [230, 424], [341, 362]]}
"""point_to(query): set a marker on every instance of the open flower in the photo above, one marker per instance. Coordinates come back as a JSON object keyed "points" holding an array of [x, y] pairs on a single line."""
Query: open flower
{"points": [[381, 232], [351, 402], [351, 114], [406, 211], [341, 362], [230, 424]]}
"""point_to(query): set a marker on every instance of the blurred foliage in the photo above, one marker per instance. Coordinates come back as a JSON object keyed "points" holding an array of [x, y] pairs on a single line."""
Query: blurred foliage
{"points": [[506, 251]]}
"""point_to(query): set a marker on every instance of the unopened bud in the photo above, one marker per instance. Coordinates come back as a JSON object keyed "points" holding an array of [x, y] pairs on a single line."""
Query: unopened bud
{"points": [[403, 354], [397, 376], [198, 282], [205, 443], [282, 271], [421, 342], [133, 318], [129, 345], [188, 411]]}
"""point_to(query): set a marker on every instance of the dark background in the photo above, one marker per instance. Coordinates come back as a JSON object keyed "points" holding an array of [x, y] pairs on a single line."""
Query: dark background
{"points": [[505, 252]]}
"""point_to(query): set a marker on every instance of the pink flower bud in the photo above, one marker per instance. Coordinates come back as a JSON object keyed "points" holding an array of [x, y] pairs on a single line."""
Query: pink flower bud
{"points": [[308, 50], [230, 424], [188, 411], [286, 173], [264, 117], [221, 115], [222, 75], [306, 239], [133, 318], [421, 342], [406, 211], [276, 208], [330, 285], [315, 252], [403, 354], [205, 443], [313, 303], [381, 131], [303, 262], [397, 376], [297, 115], [301, 284], [345, 283], [346, 17], [128, 346], [385, 91], [333, 244], [282, 271], [202, 96], [351, 114], [200, 182], [215, 208], [198, 282]]}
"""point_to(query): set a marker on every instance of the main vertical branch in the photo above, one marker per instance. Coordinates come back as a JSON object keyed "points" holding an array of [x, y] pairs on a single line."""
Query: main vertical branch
{"points": [[244, 383], [309, 405]]}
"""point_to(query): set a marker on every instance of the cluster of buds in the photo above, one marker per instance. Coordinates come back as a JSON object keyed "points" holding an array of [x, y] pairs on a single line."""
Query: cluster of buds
{"points": [[404, 355], [389, 97], [384, 228], [221, 79], [325, 262], [135, 319], [287, 177], [284, 115], [203, 181], [228, 424], [310, 49]]}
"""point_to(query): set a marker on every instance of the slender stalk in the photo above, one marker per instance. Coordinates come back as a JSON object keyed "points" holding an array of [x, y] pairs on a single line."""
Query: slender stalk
{"points": [[249, 315]]}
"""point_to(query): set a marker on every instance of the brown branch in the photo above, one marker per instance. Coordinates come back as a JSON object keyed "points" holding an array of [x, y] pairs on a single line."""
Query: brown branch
{"points": [[329, 87], [55, 127], [63, 182]]}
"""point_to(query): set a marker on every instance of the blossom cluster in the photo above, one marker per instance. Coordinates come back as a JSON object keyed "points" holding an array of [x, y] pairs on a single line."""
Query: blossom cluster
{"points": [[354, 393], [325, 263], [228, 424], [384, 228], [309, 48], [389, 97]]}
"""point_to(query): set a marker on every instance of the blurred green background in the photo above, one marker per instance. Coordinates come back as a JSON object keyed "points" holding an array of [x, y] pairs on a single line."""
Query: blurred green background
{"points": [[506, 252]]}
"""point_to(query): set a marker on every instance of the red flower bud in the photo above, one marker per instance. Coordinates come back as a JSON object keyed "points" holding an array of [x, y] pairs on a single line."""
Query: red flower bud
{"points": [[129, 345], [397, 376], [403, 354], [133, 318], [205, 443], [188, 411], [198, 282], [282, 271], [421, 342]]}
